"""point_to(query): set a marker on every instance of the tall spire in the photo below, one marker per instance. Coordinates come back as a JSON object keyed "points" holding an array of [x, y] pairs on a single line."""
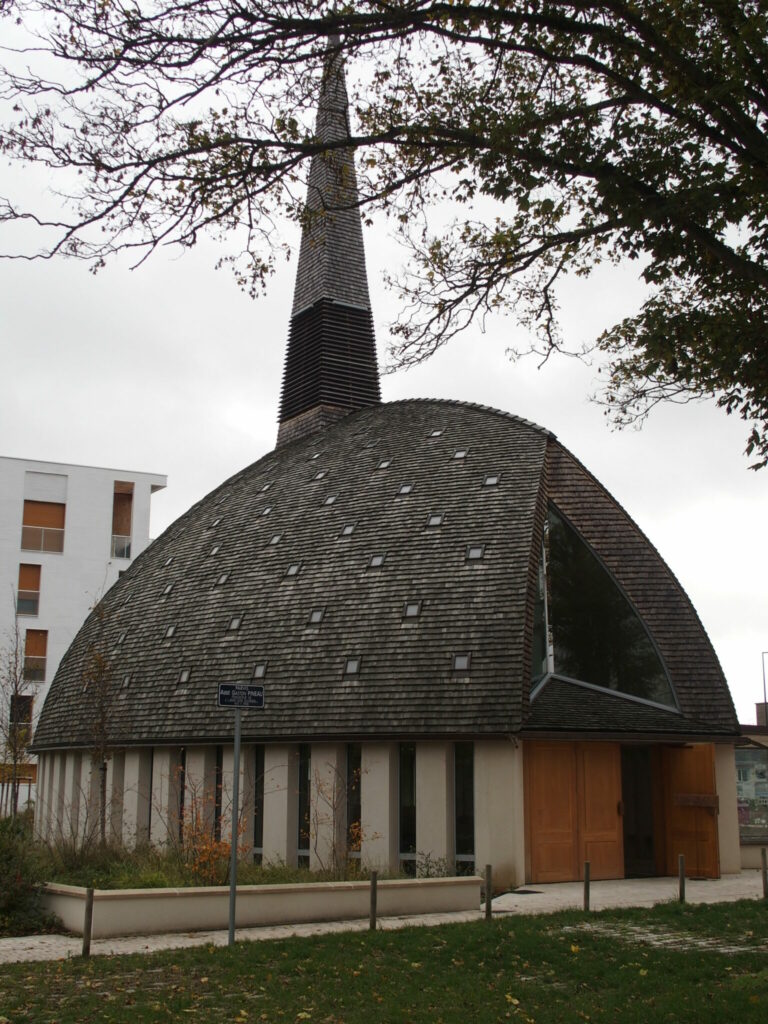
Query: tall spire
{"points": [[330, 366]]}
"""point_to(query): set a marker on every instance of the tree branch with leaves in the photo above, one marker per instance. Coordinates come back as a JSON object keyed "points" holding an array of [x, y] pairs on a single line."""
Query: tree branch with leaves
{"points": [[563, 134]]}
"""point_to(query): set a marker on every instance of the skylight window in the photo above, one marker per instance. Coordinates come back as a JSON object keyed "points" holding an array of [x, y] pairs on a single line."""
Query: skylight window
{"points": [[121, 638], [475, 552], [376, 562], [460, 453], [168, 561], [126, 681], [347, 529], [167, 589], [267, 509], [265, 488], [222, 579], [275, 539], [169, 631], [260, 670], [405, 489], [384, 464], [435, 519], [352, 666], [215, 522], [320, 474], [437, 433], [315, 456], [461, 662], [216, 549], [330, 499], [184, 676], [293, 569], [234, 623], [412, 609], [492, 480], [316, 616]]}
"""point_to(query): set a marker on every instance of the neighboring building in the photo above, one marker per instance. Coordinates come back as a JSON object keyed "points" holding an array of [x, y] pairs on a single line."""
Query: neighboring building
{"points": [[469, 651], [66, 533], [752, 788]]}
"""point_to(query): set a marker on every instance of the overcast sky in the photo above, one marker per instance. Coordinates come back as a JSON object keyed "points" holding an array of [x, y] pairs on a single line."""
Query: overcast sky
{"points": [[171, 369]]}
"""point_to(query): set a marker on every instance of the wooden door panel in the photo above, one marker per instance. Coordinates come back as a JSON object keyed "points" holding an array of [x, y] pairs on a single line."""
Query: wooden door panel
{"points": [[552, 810], [600, 824], [691, 810]]}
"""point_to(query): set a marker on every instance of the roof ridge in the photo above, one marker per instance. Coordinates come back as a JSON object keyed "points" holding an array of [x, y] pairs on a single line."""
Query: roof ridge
{"points": [[479, 407]]}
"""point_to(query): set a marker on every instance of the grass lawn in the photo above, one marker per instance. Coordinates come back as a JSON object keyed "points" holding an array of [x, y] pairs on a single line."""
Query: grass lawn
{"points": [[670, 963]]}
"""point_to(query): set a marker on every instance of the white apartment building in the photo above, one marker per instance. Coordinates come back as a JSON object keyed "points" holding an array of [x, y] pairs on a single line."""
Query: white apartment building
{"points": [[66, 534]]}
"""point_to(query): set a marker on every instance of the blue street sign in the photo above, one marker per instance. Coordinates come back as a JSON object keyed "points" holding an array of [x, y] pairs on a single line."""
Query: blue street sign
{"points": [[240, 695]]}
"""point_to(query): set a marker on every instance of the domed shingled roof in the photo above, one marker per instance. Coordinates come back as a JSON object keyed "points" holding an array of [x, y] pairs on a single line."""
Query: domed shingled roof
{"points": [[327, 504]]}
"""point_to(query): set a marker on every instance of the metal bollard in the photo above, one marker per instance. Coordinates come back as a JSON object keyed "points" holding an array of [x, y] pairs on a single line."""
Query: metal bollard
{"points": [[764, 870], [681, 875], [88, 922], [586, 885]]}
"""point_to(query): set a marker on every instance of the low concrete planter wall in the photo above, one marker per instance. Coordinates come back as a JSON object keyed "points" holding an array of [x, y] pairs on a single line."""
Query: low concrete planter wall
{"points": [[147, 911], [751, 856]]}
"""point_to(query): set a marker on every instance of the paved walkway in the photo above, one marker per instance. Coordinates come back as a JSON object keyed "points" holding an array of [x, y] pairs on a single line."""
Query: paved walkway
{"points": [[535, 899]]}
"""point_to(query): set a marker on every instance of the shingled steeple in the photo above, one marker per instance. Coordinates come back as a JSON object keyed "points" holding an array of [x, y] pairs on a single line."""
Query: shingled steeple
{"points": [[330, 366]]}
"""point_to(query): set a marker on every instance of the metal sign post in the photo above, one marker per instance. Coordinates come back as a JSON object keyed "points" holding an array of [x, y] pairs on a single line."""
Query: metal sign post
{"points": [[237, 696]]}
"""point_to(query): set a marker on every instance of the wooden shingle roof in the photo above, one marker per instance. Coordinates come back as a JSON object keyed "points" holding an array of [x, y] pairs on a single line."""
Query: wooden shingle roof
{"points": [[229, 556]]}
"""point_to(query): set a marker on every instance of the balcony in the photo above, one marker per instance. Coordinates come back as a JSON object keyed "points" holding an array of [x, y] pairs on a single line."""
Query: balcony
{"points": [[34, 669], [42, 538], [27, 602], [121, 546]]}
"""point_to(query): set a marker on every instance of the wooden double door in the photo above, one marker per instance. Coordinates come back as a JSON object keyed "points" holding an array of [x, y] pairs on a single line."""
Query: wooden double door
{"points": [[575, 806]]}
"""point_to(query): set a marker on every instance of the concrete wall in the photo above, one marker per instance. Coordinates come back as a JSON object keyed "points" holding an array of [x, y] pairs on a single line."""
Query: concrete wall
{"points": [[499, 811]]}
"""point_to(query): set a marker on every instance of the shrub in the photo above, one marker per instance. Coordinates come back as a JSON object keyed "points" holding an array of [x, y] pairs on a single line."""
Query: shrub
{"points": [[21, 878]]}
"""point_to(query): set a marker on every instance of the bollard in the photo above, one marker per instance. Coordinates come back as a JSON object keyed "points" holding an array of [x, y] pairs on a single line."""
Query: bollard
{"points": [[88, 922], [488, 892], [681, 875], [374, 887], [764, 869], [586, 885]]}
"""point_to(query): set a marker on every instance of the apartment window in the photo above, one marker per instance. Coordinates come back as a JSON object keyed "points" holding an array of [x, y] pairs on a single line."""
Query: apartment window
{"points": [[35, 653], [354, 807], [258, 804], [122, 513], [305, 778], [464, 806], [28, 592], [20, 720], [42, 526], [407, 807]]}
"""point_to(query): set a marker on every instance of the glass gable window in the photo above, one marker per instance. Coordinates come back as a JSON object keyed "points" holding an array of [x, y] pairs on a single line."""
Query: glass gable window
{"points": [[596, 635]]}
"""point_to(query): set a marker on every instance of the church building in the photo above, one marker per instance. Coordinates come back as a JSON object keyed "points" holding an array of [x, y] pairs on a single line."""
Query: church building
{"points": [[470, 653]]}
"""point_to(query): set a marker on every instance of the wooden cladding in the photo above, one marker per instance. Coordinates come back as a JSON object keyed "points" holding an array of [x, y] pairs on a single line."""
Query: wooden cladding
{"points": [[46, 514]]}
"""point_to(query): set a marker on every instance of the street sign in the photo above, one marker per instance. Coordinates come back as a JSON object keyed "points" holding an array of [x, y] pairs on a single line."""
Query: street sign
{"points": [[240, 695]]}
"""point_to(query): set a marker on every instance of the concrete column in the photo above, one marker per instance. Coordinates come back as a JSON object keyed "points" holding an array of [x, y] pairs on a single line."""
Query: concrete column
{"points": [[328, 807], [281, 804], [115, 788], [227, 792], [728, 818], [435, 831], [499, 811], [379, 806], [137, 796], [165, 796]]}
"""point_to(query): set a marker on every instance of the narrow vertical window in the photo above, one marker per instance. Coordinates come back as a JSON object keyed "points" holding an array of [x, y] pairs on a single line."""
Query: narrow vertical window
{"points": [[35, 655], [305, 769], [407, 808], [354, 807], [464, 806], [122, 514], [28, 592], [258, 804], [181, 782], [218, 782]]}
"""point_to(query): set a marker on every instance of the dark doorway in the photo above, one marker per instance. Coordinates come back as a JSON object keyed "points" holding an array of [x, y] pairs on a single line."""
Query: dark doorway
{"points": [[637, 797]]}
